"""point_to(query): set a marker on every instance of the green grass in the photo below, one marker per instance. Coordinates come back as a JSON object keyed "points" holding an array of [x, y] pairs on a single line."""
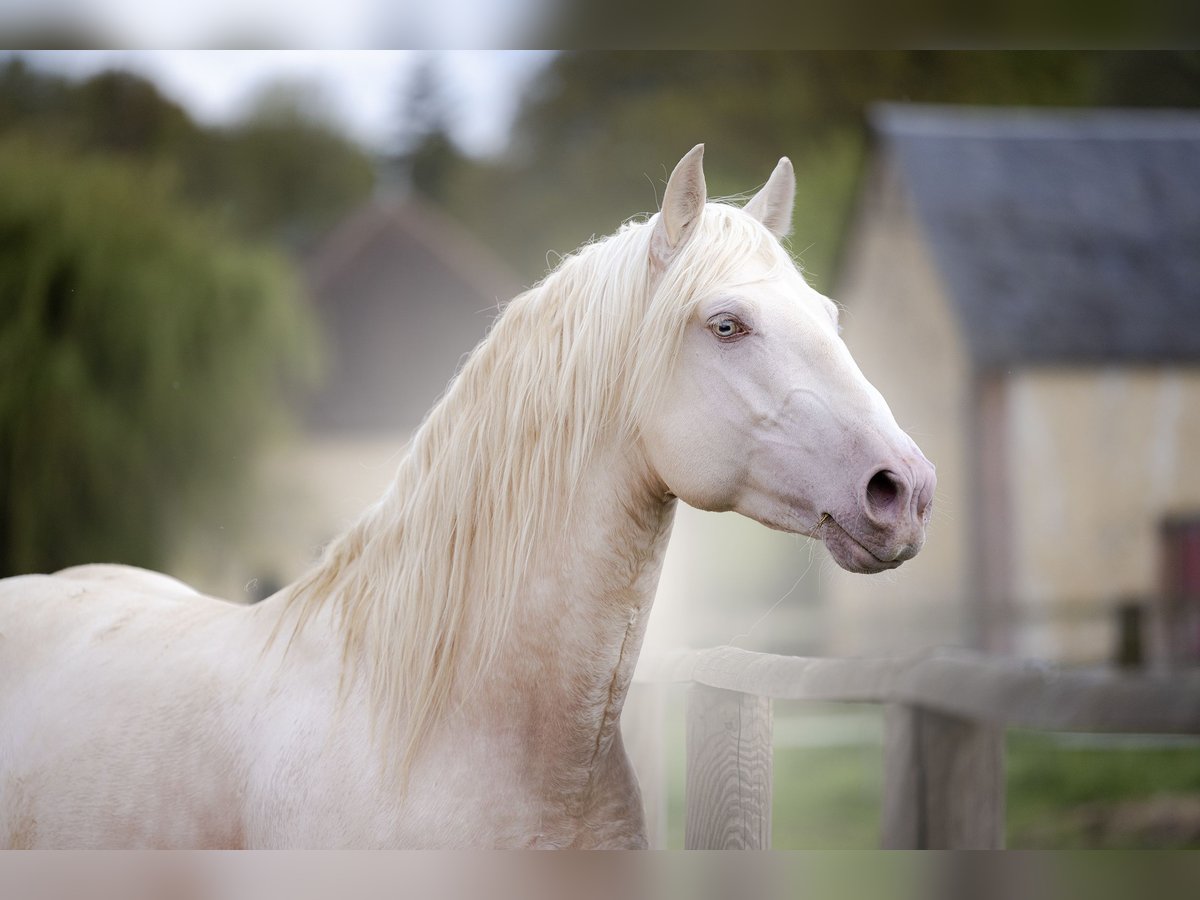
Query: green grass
{"points": [[1064, 791]]}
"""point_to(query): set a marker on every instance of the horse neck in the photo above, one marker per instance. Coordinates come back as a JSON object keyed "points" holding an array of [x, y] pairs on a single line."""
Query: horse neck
{"points": [[509, 571], [562, 676]]}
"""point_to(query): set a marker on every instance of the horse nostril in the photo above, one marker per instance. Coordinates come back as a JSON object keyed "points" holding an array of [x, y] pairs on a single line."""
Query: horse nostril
{"points": [[883, 490], [925, 501]]}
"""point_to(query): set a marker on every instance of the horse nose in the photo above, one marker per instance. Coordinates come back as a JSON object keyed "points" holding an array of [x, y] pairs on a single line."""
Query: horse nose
{"points": [[886, 495], [900, 493], [926, 483]]}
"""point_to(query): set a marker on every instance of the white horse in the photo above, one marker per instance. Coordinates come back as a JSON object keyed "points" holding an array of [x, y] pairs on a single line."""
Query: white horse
{"points": [[451, 674]]}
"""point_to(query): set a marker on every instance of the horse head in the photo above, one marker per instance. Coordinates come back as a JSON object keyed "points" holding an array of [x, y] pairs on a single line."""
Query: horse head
{"points": [[765, 411]]}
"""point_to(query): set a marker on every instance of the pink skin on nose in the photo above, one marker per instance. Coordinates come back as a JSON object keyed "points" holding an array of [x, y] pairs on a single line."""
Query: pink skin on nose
{"points": [[897, 502], [886, 526]]}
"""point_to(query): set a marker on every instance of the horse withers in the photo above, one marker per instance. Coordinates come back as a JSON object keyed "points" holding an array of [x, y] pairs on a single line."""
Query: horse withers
{"points": [[451, 673]]}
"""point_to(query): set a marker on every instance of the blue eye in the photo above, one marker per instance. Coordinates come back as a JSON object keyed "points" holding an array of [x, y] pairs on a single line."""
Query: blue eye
{"points": [[727, 327]]}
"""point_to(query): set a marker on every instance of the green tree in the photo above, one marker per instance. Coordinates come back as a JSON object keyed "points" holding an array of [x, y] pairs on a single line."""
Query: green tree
{"points": [[426, 157], [141, 357], [283, 172]]}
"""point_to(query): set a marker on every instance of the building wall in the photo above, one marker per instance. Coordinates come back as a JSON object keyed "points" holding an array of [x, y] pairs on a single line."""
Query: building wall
{"points": [[1097, 458], [899, 325], [397, 320], [309, 490]]}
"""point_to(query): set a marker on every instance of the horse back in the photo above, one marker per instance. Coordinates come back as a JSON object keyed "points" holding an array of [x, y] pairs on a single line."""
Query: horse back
{"points": [[114, 691], [129, 578], [82, 610]]}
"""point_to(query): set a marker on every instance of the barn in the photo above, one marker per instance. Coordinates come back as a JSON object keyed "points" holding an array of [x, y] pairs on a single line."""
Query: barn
{"points": [[401, 293], [1024, 288]]}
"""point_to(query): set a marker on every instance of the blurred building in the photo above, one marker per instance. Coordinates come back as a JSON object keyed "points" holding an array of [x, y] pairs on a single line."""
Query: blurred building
{"points": [[402, 293], [1024, 288]]}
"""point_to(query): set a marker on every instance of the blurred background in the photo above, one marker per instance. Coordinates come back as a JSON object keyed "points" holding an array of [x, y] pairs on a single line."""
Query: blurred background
{"points": [[232, 283]]}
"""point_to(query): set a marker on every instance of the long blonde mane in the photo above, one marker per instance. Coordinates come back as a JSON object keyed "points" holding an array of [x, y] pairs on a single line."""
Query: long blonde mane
{"points": [[424, 585]]}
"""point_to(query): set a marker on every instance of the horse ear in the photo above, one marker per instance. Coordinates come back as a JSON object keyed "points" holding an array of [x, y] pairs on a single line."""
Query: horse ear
{"points": [[683, 202], [773, 204]]}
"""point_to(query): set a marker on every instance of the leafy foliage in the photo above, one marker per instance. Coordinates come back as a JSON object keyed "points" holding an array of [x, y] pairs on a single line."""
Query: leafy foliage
{"points": [[426, 157], [141, 355], [282, 173]]}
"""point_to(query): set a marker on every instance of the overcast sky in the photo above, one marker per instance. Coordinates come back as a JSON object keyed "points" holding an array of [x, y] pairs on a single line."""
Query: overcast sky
{"points": [[363, 90]]}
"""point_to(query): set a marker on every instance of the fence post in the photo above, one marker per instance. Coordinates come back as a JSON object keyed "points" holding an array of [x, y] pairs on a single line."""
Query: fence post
{"points": [[729, 764], [943, 781]]}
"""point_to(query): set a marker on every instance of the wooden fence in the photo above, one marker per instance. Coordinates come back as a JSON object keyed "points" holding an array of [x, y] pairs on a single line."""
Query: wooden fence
{"points": [[945, 715]]}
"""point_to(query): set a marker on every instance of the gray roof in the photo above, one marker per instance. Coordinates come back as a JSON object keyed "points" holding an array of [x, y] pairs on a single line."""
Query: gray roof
{"points": [[1064, 236]]}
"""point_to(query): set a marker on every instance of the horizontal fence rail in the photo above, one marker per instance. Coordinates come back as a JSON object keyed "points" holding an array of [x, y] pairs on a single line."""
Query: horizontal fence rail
{"points": [[945, 715]]}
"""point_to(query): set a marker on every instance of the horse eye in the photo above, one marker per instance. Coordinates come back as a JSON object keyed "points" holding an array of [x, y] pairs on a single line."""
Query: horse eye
{"points": [[727, 327]]}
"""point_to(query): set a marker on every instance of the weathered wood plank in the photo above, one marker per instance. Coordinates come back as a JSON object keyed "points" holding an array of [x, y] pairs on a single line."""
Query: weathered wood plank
{"points": [[729, 770], [1015, 693], [943, 782]]}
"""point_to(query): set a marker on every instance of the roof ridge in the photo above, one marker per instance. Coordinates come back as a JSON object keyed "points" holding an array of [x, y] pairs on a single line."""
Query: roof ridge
{"points": [[1033, 122]]}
